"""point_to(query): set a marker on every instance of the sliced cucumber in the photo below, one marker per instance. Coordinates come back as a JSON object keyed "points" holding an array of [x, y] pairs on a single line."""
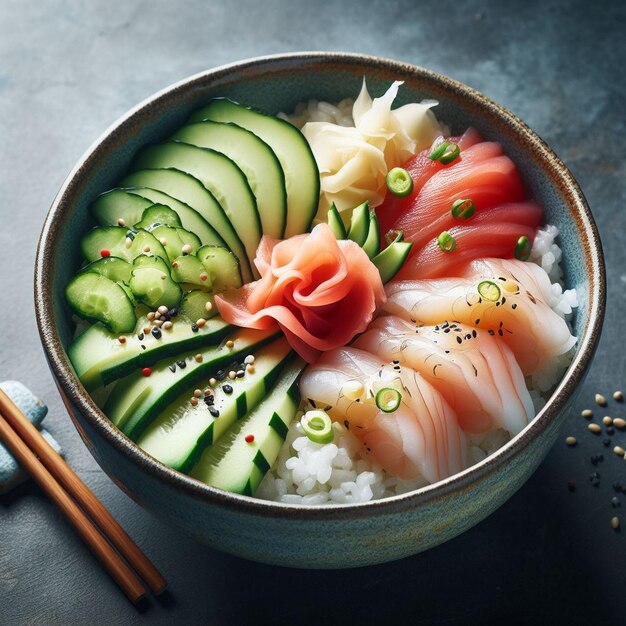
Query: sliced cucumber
{"points": [[222, 267], [154, 287], [99, 357], [112, 267], [175, 239], [359, 224], [158, 214], [237, 464], [391, 259], [179, 435], [120, 242], [371, 245], [98, 299], [189, 190], [223, 179], [137, 399], [149, 260], [188, 269], [256, 160], [194, 305], [302, 177], [336, 223], [111, 206]]}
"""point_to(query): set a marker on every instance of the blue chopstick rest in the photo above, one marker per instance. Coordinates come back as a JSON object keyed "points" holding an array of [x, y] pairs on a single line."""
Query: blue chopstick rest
{"points": [[11, 474]]}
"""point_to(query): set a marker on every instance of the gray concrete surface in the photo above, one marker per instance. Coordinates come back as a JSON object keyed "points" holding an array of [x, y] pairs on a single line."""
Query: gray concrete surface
{"points": [[69, 69]]}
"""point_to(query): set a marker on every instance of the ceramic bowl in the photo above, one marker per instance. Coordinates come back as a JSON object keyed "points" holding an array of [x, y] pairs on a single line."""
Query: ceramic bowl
{"points": [[344, 535]]}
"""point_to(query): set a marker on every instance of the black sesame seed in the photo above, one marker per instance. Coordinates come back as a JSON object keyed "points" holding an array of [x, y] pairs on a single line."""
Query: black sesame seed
{"points": [[156, 333], [240, 374], [615, 503], [514, 306], [227, 389], [327, 407], [182, 364], [209, 400], [610, 430], [140, 336], [346, 423], [500, 332], [172, 367], [458, 339], [474, 333], [220, 374], [491, 332], [214, 412], [477, 321], [194, 328], [143, 347], [173, 312], [606, 442]]}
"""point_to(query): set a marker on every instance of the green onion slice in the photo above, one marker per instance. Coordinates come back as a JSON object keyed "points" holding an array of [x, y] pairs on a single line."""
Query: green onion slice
{"points": [[317, 426], [463, 209], [489, 290], [446, 242], [438, 149], [451, 153], [399, 182], [388, 399], [522, 248]]}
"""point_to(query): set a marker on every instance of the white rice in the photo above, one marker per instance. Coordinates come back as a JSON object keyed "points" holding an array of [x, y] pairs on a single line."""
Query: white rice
{"points": [[338, 473]]}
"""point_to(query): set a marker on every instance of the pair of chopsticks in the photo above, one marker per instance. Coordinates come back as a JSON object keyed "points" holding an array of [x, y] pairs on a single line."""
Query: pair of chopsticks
{"points": [[95, 525]]}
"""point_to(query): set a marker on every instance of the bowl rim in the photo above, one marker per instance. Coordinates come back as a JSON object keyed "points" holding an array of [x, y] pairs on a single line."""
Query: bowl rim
{"points": [[71, 388]]}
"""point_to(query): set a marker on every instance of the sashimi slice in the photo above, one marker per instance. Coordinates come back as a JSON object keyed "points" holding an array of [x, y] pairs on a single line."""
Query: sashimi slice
{"points": [[421, 169], [477, 374], [420, 438], [497, 239], [521, 316]]}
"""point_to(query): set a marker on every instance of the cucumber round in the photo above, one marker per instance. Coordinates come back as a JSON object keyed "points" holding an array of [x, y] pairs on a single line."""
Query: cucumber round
{"points": [[98, 299], [193, 305], [112, 267], [154, 287], [189, 270], [158, 214], [174, 239], [222, 267], [120, 242]]}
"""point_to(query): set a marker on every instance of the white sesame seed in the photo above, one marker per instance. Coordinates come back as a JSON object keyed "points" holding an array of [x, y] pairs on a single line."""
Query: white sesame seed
{"points": [[212, 382], [615, 522], [607, 419], [128, 242], [197, 393], [186, 249], [619, 450], [146, 248], [208, 307], [121, 222], [199, 358], [249, 359], [618, 422], [167, 325], [570, 441], [618, 395], [163, 310], [150, 315], [194, 401], [600, 399], [587, 414], [201, 322], [232, 374], [595, 428], [158, 323]]}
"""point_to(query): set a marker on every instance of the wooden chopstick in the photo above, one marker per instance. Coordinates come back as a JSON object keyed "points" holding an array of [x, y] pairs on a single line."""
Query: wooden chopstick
{"points": [[56, 468]]}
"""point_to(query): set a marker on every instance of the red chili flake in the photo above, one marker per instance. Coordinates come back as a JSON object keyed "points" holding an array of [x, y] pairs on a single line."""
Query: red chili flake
{"points": [[146, 371], [249, 438], [105, 253], [203, 277]]}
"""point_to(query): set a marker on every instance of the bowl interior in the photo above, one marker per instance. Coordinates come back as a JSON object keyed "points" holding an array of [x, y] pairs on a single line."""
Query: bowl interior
{"points": [[278, 84]]}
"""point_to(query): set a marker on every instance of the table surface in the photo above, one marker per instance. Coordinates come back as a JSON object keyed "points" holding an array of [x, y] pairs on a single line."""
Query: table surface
{"points": [[69, 69]]}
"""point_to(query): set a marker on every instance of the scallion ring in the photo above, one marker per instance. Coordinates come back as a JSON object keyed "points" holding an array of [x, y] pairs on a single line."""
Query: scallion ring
{"points": [[388, 399], [522, 248], [446, 242], [463, 209], [399, 182], [489, 290], [451, 153], [438, 151], [317, 426]]}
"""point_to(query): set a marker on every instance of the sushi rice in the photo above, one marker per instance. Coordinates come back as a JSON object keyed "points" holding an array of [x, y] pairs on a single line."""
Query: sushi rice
{"points": [[339, 473]]}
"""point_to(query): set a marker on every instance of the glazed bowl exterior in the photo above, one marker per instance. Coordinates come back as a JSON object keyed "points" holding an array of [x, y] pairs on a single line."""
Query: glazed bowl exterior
{"points": [[343, 535]]}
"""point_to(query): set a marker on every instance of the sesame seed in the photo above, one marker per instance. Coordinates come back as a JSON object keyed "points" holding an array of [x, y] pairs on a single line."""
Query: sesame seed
{"points": [[249, 360], [232, 374], [201, 322], [197, 393], [158, 323], [163, 310], [615, 523], [212, 382], [618, 395], [121, 222], [128, 243], [214, 412], [570, 441], [619, 450], [156, 333], [587, 414], [121, 339], [146, 248], [230, 344], [250, 369], [194, 328], [615, 503], [208, 392], [607, 419], [150, 315], [600, 399], [146, 330], [240, 373], [227, 389], [208, 307], [618, 422], [596, 429], [194, 401], [156, 315], [198, 358], [186, 249], [140, 336], [167, 325]]}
